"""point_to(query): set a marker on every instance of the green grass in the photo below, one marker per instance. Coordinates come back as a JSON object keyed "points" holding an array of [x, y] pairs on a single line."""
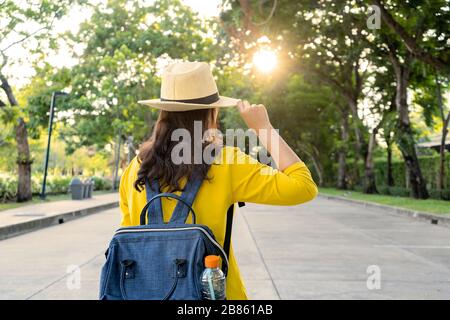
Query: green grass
{"points": [[429, 205], [36, 200]]}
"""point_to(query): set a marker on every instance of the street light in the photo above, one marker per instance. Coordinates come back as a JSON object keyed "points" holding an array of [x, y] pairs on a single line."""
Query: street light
{"points": [[50, 125]]}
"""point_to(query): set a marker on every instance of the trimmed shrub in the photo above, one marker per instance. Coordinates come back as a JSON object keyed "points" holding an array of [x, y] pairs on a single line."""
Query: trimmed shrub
{"points": [[429, 166], [55, 185], [102, 183], [58, 184], [436, 194], [8, 188], [398, 191]]}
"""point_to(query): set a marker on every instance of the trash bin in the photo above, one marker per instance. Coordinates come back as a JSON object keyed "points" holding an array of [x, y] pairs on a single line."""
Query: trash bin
{"points": [[77, 189], [85, 189], [90, 187]]}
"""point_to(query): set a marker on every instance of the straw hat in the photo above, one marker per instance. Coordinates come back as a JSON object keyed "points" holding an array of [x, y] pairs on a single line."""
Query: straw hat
{"points": [[188, 86]]}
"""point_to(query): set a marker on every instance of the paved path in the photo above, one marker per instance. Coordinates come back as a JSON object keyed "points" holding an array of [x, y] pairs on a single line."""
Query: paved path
{"points": [[320, 250], [47, 209]]}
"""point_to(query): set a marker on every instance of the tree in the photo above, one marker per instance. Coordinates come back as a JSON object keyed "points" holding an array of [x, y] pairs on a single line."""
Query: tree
{"points": [[445, 119], [429, 95], [406, 68], [431, 48], [327, 39], [126, 44], [301, 111], [15, 19]]}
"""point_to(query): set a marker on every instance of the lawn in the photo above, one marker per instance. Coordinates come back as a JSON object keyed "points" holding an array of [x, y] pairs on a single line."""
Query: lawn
{"points": [[36, 199], [429, 205]]}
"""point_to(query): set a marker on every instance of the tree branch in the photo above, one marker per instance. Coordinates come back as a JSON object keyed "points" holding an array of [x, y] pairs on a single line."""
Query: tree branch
{"points": [[393, 57], [333, 82], [439, 99], [48, 26], [410, 42], [8, 90], [23, 39], [272, 11], [5, 60], [358, 80]]}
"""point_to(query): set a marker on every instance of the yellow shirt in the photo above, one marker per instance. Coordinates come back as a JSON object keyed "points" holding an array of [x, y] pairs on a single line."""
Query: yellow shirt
{"points": [[235, 177]]}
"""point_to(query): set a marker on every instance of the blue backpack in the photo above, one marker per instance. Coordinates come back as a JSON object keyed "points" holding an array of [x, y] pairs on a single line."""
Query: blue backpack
{"points": [[161, 261]]}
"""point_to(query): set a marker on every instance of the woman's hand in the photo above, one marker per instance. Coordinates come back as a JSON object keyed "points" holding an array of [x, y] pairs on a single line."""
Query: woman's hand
{"points": [[255, 115], [257, 119]]}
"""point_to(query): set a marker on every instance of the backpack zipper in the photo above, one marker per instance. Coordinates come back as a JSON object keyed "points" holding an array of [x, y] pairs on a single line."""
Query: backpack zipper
{"points": [[178, 229]]}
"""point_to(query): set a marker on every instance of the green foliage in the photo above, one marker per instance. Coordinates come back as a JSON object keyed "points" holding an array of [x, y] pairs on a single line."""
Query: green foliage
{"points": [[119, 67], [101, 183], [55, 185], [8, 187], [430, 170], [429, 166], [429, 205], [323, 48]]}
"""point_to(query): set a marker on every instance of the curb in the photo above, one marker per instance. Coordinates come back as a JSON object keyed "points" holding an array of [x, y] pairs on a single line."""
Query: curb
{"points": [[425, 216], [33, 225]]}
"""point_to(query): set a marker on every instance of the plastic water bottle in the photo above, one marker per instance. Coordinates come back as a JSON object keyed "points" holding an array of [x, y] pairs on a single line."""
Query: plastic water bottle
{"points": [[213, 280]]}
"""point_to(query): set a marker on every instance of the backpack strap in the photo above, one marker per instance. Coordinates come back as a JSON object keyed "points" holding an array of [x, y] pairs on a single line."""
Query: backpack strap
{"points": [[181, 211], [229, 227], [154, 212]]}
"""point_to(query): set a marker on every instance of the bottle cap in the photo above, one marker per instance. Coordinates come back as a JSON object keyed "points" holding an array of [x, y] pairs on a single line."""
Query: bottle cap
{"points": [[212, 261]]}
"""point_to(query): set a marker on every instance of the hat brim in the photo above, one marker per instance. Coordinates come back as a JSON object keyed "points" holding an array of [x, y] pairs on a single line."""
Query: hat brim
{"points": [[172, 106]]}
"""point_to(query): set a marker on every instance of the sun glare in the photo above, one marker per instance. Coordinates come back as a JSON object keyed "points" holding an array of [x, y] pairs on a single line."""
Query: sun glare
{"points": [[265, 60]]}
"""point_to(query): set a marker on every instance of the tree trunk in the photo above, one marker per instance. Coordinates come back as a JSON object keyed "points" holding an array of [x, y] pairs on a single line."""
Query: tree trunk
{"points": [[389, 177], [319, 170], [342, 154], [23, 151], [360, 146], [342, 182], [445, 123], [407, 147], [317, 164], [313, 154], [116, 162], [405, 139], [441, 182], [416, 181], [131, 149], [369, 172], [24, 162]]}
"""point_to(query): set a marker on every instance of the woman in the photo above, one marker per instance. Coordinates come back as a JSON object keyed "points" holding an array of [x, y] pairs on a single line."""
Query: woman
{"points": [[188, 95]]}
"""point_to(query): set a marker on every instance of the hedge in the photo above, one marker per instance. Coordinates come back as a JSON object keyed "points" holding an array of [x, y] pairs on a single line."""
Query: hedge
{"points": [[428, 164], [430, 171], [55, 185]]}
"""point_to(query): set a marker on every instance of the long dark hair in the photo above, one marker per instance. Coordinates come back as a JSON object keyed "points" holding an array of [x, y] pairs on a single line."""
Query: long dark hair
{"points": [[155, 153]]}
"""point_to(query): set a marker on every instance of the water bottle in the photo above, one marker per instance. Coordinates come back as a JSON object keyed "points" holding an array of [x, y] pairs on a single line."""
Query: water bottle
{"points": [[213, 280]]}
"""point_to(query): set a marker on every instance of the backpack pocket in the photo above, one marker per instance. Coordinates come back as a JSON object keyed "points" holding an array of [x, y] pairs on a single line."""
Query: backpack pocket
{"points": [[164, 270]]}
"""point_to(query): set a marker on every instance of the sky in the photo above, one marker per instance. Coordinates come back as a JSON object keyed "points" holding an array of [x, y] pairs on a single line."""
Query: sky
{"points": [[21, 72]]}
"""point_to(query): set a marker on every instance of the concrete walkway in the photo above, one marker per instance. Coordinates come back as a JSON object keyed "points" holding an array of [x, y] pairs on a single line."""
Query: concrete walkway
{"points": [[324, 250], [32, 217], [321, 250]]}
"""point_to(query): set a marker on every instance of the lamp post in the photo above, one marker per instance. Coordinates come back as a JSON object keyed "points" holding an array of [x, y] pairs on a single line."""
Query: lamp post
{"points": [[50, 125]]}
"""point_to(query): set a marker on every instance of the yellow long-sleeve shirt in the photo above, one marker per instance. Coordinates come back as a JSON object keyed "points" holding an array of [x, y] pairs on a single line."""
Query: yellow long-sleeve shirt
{"points": [[235, 177]]}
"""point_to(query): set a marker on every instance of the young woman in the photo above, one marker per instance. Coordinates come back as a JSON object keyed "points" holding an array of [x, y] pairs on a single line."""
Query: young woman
{"points": [[188, 95]]}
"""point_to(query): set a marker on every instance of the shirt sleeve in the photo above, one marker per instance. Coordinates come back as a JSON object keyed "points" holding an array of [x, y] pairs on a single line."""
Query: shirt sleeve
{"points": [[252, 181], [123, 196]]}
